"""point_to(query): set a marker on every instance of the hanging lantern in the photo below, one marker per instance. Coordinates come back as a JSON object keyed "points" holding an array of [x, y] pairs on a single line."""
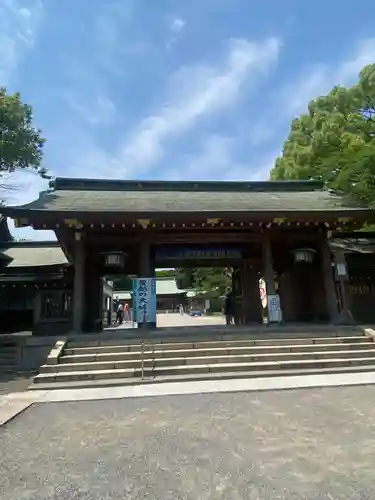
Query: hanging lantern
{"points": [[114, 259], [304, 255], [341, 270]]}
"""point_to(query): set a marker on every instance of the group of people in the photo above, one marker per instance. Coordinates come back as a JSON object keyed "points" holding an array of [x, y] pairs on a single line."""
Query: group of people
{"points": [[123, 311], [122, 314]]}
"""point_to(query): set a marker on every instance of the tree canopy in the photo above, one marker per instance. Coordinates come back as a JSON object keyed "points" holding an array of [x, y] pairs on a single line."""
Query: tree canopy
{"points": [[213, 281], [21, 145], [335, 141]]}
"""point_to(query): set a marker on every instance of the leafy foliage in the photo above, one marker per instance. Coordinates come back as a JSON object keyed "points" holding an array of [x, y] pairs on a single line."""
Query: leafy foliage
{"points": [[213, 281], [185, 277], [165, 273], [21, 145], [335, 141]]}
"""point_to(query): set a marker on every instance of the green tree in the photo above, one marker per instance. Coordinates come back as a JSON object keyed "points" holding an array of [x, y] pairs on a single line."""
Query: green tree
{"points": [[185, 277], [21, 145], [165, 273], [335, 141], [213, 281]]}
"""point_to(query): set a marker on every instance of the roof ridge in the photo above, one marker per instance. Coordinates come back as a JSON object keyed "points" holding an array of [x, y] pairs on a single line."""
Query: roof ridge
{"points": [[78, 184]]}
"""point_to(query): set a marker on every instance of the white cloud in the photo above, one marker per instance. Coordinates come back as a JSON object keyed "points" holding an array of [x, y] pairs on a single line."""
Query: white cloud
{"points": [[114, 40], [196, 92], [177, 24], [96, 110], [320, 78], [19, 23], [211, 161], [312, 81], [218, 160], [193, 93], [23, 187]]}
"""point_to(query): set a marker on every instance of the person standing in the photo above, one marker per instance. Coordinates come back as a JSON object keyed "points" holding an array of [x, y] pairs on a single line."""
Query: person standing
{"points": [[126, 313], [228, 308], [120, 314]]}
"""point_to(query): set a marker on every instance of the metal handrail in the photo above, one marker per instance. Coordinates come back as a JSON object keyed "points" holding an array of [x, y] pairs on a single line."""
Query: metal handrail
{"points": [[142, 360], [144, 327]]}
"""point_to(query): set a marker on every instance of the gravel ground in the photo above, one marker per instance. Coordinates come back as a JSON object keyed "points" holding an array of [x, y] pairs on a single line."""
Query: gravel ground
{"points": [[288, 445]]}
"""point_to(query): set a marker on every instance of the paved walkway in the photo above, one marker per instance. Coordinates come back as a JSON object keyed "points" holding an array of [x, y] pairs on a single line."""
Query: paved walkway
{"points": [[176, 319], [186, 320], [14, 403], [306, 444]]}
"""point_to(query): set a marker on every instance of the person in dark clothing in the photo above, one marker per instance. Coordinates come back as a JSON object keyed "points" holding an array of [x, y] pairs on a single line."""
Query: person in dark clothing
{"points": [[228, 308], [119, 314]]}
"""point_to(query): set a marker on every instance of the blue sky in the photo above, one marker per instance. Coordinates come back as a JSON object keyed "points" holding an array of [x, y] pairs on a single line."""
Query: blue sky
{"points": [[173, 89]]}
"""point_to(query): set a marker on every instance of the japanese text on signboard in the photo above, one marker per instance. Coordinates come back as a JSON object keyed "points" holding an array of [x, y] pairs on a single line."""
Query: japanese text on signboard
{"points": [[143, 299]]}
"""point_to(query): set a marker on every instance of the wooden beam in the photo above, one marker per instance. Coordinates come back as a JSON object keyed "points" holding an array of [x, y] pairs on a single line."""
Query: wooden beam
{"points": [[207, 237]]}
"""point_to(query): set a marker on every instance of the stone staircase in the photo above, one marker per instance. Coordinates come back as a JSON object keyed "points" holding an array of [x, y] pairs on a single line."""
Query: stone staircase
{"points": [[9, 354], [124, 361]]}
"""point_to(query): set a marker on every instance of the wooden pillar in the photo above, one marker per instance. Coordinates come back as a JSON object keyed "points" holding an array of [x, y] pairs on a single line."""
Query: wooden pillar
{"points": [[93, 310], [341, 272], [329, 282], [237, 296], [287, 294], [252, 308], [37, 311], [269, 274], [78, 287], [145, 268]]}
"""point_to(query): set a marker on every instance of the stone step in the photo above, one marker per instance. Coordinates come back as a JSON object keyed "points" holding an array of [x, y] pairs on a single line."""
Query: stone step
{"points": [[134, 347], [8, 344], [8, 358], [214, 332], [203, 334], [45, 382], [6, 368], [99, 356], [259, 366], [150, 361], [8, 350]]}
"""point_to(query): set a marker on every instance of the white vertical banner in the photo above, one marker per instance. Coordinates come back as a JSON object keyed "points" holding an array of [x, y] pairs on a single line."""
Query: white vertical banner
{"points": [[144, 300], [274, 309]]}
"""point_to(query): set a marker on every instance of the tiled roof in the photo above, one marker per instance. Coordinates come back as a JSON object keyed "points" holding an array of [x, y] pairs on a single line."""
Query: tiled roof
{"points": [[33, 255], [167, 287], [353, 245], [81, 196]]}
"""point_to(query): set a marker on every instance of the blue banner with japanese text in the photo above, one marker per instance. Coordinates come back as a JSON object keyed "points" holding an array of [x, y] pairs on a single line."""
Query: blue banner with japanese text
{"points": [[144, 300]]}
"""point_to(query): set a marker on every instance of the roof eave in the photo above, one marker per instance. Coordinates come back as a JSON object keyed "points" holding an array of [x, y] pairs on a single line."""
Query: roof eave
{"points": [[52, 215], [29, 277]]}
